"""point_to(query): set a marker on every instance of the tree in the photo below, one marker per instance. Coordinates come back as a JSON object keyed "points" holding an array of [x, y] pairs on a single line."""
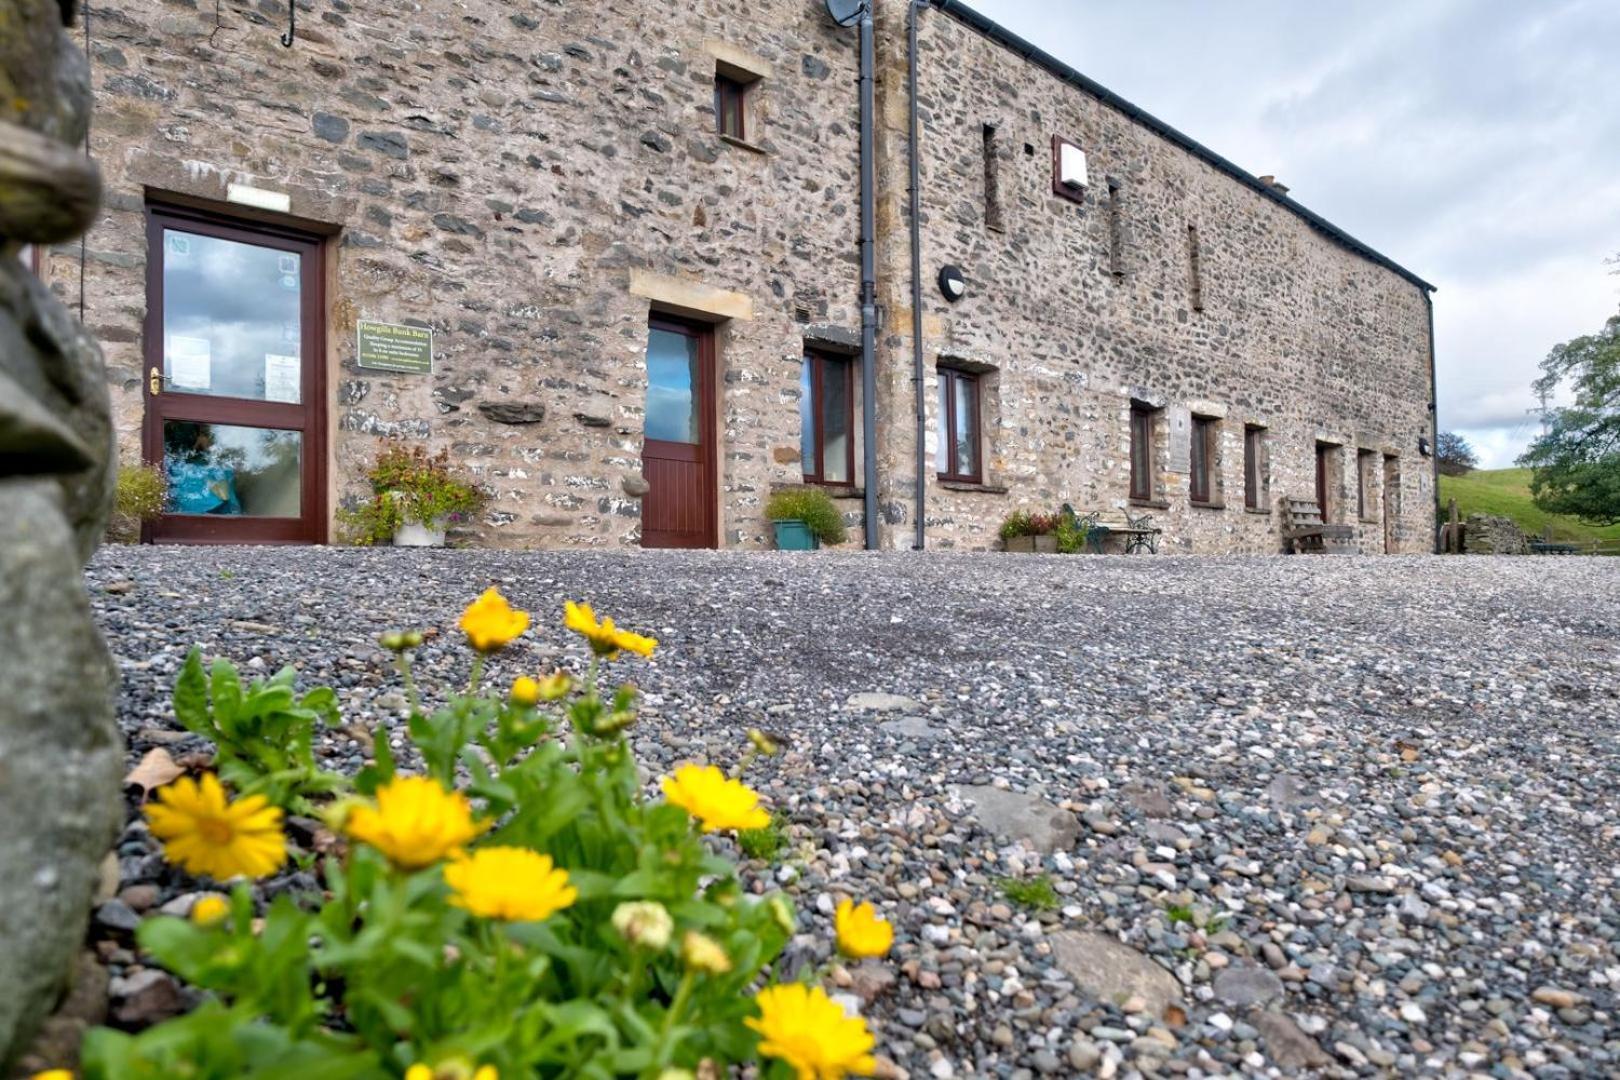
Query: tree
{"points": [[1577, 460], [1454, 454]]}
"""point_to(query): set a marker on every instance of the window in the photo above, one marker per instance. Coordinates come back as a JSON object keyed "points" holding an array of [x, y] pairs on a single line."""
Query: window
{"points": [[730, 112], [959, 426], [1254, 445], [1202, 489], [1195, 273], [1116, 232], [992, 182], [827, 419], [1324, 479], [1142, 451], [1068, 170]]}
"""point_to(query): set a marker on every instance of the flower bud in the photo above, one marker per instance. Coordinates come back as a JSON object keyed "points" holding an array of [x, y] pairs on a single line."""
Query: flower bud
{"points": [[555, 686], [525, 691], [644, 922], [210, 910], [702, 953], [764, 743]]}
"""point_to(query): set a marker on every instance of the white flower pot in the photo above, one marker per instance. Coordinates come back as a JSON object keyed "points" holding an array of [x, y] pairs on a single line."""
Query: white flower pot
{"points": [[417, 534]]}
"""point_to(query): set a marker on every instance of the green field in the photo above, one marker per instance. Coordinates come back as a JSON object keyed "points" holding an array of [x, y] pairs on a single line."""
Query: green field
{"points": [[1507, 492]]}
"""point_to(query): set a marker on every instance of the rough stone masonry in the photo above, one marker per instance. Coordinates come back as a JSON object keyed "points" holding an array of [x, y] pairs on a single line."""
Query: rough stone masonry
{"points": [[532, 180]]}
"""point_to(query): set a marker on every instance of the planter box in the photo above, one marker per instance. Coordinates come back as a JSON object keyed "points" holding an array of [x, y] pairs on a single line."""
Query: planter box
{"points": [[417, 534], [794, 536], [1044, 545]]}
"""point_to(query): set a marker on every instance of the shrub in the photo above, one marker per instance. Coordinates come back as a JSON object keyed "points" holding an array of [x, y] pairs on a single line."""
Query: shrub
{"points": [[1016, 524], [410, 485], [812, 506], [521, 909], [139, 497]]}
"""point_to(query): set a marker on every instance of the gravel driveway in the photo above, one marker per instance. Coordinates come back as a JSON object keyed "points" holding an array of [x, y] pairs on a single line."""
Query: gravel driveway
{"points": [[1339, 814]]}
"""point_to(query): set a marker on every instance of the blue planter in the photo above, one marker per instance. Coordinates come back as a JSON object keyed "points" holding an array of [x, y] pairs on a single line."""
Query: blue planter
{"points": [[794, 536]]}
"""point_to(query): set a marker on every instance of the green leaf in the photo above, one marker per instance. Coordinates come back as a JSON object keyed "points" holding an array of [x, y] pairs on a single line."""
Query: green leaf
{"points": [[226, 690], [191, 696]]}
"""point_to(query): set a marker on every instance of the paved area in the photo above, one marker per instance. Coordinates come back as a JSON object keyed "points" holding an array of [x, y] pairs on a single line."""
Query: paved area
{"points": [[1347, 816]]}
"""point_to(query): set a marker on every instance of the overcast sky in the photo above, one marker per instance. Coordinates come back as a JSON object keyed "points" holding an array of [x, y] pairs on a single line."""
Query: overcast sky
{"points": [[1475, 142]]}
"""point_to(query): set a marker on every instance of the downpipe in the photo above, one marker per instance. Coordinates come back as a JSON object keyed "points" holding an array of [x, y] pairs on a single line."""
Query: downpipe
{"points": [[920, 500], [868, 284]]}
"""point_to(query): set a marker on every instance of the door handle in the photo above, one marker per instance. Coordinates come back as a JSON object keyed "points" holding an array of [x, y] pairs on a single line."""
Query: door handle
{"points": [[154, 382]]}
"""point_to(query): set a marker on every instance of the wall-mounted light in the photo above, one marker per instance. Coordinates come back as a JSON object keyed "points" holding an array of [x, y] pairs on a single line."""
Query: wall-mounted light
{"points": [[1423, 447], [952, 283]]}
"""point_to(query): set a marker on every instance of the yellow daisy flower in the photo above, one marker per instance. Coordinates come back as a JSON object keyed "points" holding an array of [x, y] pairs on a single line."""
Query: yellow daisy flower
{"points": [[491, 623], [606, 640], [805, 1028], [210, 910], [719, 803], [415, 822], [860, 932], [454, 1069], [53, 1074], [525, 691], [509, 883], [204, 833], [555, 686]]}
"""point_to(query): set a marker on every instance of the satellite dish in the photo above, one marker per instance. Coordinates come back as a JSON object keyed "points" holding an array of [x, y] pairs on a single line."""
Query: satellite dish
{"points": [[846, 12]]}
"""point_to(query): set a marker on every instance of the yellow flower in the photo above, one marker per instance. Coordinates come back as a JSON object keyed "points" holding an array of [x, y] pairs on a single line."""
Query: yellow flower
{"points": [[704, 792], [643, 922], [509, 883], [53, 1074], [802, 1026], [490, 623], [204, 833], [210, 910], [415, 822], [453, 1069], [860, 932], [702, 953], [525, 691], [606, 640], [555, 686]]}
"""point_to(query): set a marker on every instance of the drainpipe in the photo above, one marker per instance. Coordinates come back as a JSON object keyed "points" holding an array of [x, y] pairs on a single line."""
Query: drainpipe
{"points": [[1434, 423], [919, 501], [868, 283]]}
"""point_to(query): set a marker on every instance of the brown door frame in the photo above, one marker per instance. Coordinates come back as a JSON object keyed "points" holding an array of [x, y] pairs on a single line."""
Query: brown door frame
{"points": [[309, 417], [819, 359], [1323, 492], [708, 445]]}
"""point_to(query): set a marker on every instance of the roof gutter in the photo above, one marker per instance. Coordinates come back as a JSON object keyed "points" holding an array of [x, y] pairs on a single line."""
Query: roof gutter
{"points": [[1011, 41]]}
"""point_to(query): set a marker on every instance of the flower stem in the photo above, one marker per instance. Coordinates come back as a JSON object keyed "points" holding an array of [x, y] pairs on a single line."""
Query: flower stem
{"points": [[476, 674], [682, 994], [402, 662]]}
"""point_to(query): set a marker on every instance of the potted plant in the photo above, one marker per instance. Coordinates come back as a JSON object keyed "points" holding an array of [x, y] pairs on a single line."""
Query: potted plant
{"points": [[414, 496], [140, 496], [1027, 532], [804, 518]]}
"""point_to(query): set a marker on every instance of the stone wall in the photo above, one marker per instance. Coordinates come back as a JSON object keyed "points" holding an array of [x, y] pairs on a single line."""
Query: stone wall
{"points": [[498, 172], [1488, 534], [530, 182], [1073, 313]]}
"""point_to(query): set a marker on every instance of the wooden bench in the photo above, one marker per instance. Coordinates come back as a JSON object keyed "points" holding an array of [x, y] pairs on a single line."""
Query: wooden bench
{"points": [[1305, 533]]}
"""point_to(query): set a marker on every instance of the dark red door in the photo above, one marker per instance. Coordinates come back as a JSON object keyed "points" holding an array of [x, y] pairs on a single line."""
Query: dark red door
{"points": [[235, 411], [1323, 450], [678, 454]]}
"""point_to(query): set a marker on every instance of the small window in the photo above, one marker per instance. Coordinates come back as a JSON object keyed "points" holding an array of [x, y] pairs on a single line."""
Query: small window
{"points": [[1202, 488], [730, 106], [959, 426], [827, 419], [1254, 445], [992, 182], [1195, 270], [1142, 451], [1068, 170]]}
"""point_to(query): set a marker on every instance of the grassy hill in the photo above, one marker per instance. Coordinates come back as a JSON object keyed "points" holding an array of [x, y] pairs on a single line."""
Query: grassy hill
{"points": [[1507, 492]]}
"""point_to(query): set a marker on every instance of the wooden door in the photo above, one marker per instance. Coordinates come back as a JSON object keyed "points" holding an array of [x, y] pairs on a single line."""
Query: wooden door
{"points": [[678, 453], [1323, 453], [235, 403]]}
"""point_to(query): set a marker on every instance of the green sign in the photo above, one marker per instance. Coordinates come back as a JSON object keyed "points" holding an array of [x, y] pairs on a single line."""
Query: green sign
{"points": [[387, 347]]}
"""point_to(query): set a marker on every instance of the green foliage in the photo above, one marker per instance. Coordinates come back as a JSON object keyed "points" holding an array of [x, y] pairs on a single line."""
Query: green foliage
{"points": [[1506, 493], [379, 970], [409, 485], [264, 733], [1035, 893], [1453, 454], [1576, 462], [1071, 535], [767, 843], [1024, 523], [812, 506], [1179, 914], [138, 497]]}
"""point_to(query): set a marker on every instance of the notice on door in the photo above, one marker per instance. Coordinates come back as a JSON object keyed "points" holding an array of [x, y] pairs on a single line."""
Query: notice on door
{"points": [[388, 347]]}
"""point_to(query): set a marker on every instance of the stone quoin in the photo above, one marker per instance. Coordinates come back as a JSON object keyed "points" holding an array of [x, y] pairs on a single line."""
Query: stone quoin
{"points": [[618, 241]]}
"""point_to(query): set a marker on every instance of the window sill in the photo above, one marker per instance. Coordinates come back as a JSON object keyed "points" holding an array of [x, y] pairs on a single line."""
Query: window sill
{"points": [[743, 144], [1152, 504], [968, 485], [1369, 521], [1197, 505], [834, 491], [1264, 511]]}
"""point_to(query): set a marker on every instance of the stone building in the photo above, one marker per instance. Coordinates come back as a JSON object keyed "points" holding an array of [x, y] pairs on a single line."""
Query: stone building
{"points": [[605, 255]]}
